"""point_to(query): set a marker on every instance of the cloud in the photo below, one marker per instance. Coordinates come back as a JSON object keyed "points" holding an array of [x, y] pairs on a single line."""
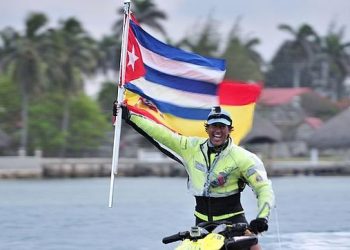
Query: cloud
{"points": [[259, 18]]}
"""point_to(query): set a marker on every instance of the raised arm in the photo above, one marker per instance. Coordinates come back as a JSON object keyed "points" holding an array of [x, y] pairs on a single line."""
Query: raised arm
{"points": [[163, 138]]}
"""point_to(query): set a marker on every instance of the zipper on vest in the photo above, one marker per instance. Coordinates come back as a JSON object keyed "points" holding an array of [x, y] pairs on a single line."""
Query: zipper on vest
{"points": [[207, 163]]}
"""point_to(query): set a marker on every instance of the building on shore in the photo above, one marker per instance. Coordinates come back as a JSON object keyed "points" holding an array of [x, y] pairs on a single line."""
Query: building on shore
{"points": [[333, 137]]}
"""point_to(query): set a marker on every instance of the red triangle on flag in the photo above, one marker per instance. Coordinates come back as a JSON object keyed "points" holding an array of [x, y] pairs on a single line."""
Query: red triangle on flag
{"points": [[134, 63]]}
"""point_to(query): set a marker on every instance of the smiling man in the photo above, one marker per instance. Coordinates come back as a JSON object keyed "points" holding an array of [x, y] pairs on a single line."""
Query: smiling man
{"points": [[218, 170], [218, 127]]}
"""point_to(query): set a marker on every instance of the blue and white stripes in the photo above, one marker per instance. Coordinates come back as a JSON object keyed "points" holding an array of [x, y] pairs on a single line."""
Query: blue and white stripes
{"points": [[179, 83]]}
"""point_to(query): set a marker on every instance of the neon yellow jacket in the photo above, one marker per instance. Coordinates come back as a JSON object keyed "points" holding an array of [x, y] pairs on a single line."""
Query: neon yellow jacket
{"points": [[220, 177]]}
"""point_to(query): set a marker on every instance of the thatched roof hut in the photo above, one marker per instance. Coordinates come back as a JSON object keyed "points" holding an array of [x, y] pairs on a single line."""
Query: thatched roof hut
{"points": [[263, 131], [334, 133]]}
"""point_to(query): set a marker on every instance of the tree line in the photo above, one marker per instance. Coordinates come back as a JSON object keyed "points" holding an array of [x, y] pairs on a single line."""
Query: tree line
{"points": [[43, 71]]}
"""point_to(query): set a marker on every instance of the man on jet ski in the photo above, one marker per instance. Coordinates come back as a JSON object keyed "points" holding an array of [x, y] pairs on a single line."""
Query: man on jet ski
{"points": [[217, 168]]}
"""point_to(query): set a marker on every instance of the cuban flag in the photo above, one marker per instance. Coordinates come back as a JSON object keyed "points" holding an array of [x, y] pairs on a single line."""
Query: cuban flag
{"points": [[178, 89]]}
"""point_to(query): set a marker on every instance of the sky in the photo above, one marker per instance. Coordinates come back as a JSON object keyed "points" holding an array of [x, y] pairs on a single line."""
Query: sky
{"points": [[258, 18]]}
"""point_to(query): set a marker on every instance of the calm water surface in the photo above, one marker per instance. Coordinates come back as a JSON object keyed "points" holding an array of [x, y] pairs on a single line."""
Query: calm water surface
{"points": [[313, 213]]}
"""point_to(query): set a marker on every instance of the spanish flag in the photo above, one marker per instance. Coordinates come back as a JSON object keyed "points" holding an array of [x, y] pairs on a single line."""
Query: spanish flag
{"points": [[178, 88]]}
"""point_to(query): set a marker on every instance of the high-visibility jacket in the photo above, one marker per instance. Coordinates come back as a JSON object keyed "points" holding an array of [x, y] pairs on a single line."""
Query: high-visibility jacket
{"points": [[218, 175]]}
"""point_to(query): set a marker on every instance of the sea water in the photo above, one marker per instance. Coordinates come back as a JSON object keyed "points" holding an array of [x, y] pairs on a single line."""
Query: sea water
{"points": [[312, 213]]}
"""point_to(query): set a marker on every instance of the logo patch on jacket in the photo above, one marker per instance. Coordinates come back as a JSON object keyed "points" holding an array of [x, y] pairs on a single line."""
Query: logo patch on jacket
{"points": [[219, 180], [259, 175]]}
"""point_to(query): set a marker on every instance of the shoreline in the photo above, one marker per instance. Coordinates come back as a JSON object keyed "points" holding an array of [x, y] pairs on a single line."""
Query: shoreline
{"points": [[34, 167]]}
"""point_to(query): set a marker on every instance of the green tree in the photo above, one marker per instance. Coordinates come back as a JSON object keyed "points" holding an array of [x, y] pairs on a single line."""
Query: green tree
{"points": [[21, 56], [85, 132], [10, 105], [45, 129], [88, 127], [243, 62], [146, 12], [255, 56], [338, 64], [110, 49], [75, 54], [106, 96], [204, 40], [304, 37], [292, 63]]}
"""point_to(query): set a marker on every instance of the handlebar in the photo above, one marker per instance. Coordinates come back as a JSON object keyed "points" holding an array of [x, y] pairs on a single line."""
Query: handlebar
{"points": [[241, 242], [235, 234], [176, 237]]}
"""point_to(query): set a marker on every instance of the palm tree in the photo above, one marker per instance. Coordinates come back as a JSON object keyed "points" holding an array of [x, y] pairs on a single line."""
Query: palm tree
{"points": [[76, 55], [243, 62], [105, 98], [146, 12], [253, 54], [109, 58], [303, 37], [248, 42], [22, 57], [302, 49], [338, 59], [204, 41], [292, 64]]}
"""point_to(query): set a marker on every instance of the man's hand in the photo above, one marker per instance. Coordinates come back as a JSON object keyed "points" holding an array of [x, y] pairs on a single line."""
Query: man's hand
{"points": [[115, 108], [259, 225], [125, 111]]}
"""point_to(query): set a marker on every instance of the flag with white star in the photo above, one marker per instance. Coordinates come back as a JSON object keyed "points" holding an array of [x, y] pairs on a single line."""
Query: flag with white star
{"points": [[178, 88], [134, 63]]}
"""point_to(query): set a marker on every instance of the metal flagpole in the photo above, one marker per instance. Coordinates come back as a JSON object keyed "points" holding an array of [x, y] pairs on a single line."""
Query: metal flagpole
{"points": [[118, 121]]}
